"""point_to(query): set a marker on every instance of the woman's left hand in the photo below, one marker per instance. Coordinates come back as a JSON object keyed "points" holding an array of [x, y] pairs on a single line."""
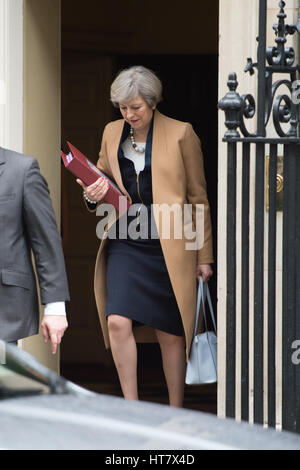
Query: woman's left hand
{"points": [[205, 271]]}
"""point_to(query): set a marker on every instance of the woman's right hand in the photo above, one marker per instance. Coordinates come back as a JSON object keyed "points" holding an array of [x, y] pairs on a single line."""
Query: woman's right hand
{"points": [[97, 190]]}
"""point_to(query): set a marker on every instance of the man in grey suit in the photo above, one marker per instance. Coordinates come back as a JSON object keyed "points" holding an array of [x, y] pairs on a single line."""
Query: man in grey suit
{"points": [[28, 225]]}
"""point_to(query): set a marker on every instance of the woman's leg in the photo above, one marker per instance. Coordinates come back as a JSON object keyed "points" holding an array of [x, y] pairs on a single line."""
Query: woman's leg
{"points": [[124, 351], [174, 365]]}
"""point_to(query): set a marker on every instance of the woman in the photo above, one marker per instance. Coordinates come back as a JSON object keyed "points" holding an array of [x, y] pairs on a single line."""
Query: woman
{"points": [[145, 287]]}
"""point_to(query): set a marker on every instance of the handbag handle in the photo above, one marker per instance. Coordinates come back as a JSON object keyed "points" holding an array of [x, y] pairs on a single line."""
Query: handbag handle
{"points": [[202, 294], [206, 292]]}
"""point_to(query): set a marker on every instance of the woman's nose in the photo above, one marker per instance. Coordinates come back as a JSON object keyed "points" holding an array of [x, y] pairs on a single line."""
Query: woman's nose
{"points": [[130, 114]]}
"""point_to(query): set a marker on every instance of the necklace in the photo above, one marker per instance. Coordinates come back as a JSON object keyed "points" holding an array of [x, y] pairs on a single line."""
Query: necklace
{"points": [[134, 144]]}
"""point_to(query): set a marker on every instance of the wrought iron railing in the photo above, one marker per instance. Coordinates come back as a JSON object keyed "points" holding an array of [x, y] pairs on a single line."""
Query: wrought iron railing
{"points": [[284, 108]]}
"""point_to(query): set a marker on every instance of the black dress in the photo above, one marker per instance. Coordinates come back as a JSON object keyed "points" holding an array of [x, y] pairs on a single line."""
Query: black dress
{"points": [[138, 283]]}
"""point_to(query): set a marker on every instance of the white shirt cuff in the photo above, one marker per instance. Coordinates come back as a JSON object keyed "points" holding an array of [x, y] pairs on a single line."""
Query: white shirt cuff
{"points": [[55, 308]]}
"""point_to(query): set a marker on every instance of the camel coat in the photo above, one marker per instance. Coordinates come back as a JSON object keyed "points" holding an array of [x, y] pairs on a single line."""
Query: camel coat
{"points": [[177, 177]]}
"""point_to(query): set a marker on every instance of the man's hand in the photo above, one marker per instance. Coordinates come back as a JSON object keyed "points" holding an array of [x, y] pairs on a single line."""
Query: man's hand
{"points": [[205, 271], [53, 328]]}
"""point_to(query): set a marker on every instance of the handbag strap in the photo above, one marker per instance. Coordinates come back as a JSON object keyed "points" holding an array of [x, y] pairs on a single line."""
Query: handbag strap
{"points": [[203, 292], [211, 310], [206, 293], [199, 297]]}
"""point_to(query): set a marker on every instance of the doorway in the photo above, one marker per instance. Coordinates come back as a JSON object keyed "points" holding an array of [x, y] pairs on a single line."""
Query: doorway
{"points": [[91, 57]]}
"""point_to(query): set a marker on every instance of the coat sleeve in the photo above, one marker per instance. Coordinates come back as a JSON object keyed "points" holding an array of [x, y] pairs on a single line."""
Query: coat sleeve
{"points": [[196, 189], [43, 236], [103, 165]]}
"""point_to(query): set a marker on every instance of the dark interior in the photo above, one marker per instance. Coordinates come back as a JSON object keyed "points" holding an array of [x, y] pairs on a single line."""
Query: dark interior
{"points": [[98, 40]]}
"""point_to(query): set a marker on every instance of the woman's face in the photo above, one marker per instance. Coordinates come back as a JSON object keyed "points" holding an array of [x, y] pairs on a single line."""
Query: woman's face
{"points": [[137, 113]]}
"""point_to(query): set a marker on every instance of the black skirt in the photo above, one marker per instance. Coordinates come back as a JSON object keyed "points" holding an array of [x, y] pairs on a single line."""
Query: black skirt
{"points": [[139, 287]]}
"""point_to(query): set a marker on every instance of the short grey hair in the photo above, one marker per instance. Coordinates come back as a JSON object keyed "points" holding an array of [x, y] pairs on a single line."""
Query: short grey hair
{"points": [[134, 81]]}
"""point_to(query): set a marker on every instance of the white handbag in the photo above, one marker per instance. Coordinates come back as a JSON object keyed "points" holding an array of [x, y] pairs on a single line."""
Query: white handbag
{"points": [[202, 364]]}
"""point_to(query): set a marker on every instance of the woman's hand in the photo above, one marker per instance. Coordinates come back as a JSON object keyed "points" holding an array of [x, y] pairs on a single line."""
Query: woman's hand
{"points": [[204, 271], [97, 190]]}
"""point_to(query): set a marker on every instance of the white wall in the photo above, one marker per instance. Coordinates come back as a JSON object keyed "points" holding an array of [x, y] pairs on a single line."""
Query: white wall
{"points": [[11, 74]]}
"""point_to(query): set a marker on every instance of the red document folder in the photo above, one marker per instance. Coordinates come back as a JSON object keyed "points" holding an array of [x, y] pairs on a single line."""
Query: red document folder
{"points": [[84, 169]]}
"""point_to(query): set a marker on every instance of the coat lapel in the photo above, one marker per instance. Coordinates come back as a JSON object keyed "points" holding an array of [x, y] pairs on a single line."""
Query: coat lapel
{"points": [[113, 158], [159, 152]]}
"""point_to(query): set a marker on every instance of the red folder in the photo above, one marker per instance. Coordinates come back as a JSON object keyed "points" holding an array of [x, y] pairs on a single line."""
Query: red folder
{"points": [[84, 169]]}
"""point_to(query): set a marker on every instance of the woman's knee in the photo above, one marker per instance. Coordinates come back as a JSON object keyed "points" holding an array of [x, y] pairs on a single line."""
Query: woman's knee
{"points": [[169, 340], [119, 326]]}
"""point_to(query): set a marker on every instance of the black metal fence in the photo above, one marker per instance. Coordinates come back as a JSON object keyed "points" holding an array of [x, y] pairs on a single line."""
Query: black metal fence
{"points": [[285, 113]]}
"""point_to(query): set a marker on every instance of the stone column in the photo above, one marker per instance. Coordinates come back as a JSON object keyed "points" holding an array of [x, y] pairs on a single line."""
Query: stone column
{"points": [[30, 100], [42, 114]]}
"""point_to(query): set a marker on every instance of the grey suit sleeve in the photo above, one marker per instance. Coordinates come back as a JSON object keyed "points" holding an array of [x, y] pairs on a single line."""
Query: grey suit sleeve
{"points": [[44, 239]]}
